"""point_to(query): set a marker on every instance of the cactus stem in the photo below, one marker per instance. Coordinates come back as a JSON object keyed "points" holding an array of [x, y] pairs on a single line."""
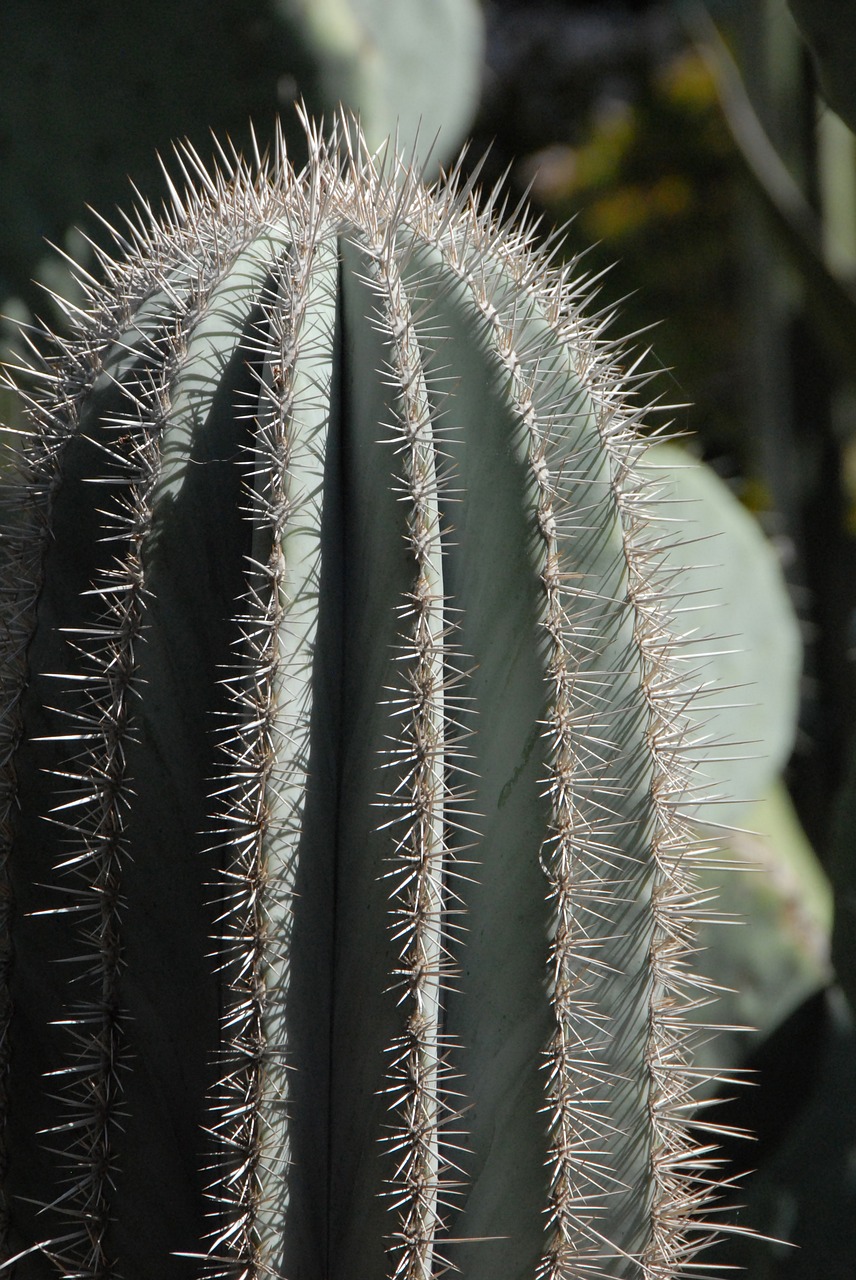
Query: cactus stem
{"points": [[371, 493]]}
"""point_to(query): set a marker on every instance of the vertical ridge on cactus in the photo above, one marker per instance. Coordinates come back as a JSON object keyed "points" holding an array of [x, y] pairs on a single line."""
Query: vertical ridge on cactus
{"points": [[346, 738]]}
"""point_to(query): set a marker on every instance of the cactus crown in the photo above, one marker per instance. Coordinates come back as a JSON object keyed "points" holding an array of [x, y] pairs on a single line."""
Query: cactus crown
{"points": [[360, 659]]}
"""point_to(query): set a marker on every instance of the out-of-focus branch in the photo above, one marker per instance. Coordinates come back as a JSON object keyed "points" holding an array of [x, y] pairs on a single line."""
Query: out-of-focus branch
{"points": [[830, 300]]}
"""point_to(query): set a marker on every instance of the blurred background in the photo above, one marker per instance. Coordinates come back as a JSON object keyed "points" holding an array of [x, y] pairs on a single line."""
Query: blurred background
{"points": [[702, 160]]}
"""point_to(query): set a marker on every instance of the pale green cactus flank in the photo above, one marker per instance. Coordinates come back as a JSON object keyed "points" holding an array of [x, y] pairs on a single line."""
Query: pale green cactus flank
{"points": [[359, 659]]}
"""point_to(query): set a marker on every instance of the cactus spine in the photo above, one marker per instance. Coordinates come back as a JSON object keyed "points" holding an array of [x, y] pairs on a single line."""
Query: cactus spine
{"points": [[358, 660]]}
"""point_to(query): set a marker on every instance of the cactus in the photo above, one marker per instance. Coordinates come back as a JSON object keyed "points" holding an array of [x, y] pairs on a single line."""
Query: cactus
{"points": [[346, 735]]}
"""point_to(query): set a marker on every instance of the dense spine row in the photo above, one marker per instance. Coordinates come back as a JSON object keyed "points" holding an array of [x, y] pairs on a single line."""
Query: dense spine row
{"points": [[20, 567], [420, 873], [89, 811], [254, 1056], [130, 352], [267, 739]]}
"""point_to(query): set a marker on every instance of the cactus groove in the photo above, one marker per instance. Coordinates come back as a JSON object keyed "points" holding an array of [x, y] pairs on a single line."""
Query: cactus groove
{"points": [[349, 904]]}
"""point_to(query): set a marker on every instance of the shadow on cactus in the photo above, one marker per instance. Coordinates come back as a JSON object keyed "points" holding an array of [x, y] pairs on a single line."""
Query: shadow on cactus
{"points": [[341, 634]]}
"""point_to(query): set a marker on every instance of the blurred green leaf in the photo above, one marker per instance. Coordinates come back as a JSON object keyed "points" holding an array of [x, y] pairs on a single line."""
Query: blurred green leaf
{"points": [[742, 635], [774, 950], [414, 65]]}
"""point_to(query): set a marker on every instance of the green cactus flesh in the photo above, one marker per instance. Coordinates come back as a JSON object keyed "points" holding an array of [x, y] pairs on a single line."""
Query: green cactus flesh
{"points": [[350, 904]]}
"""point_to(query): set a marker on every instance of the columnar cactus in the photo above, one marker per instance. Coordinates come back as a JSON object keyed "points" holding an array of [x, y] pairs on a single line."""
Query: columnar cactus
{"points": [[345, 743]]}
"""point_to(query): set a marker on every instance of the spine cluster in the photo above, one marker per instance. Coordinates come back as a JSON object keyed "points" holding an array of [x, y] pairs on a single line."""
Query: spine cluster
{"points": [[420, 862]]}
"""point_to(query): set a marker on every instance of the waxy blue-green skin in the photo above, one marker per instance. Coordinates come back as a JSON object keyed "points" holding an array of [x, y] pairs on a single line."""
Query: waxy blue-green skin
{"points": [[222, 667]]}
